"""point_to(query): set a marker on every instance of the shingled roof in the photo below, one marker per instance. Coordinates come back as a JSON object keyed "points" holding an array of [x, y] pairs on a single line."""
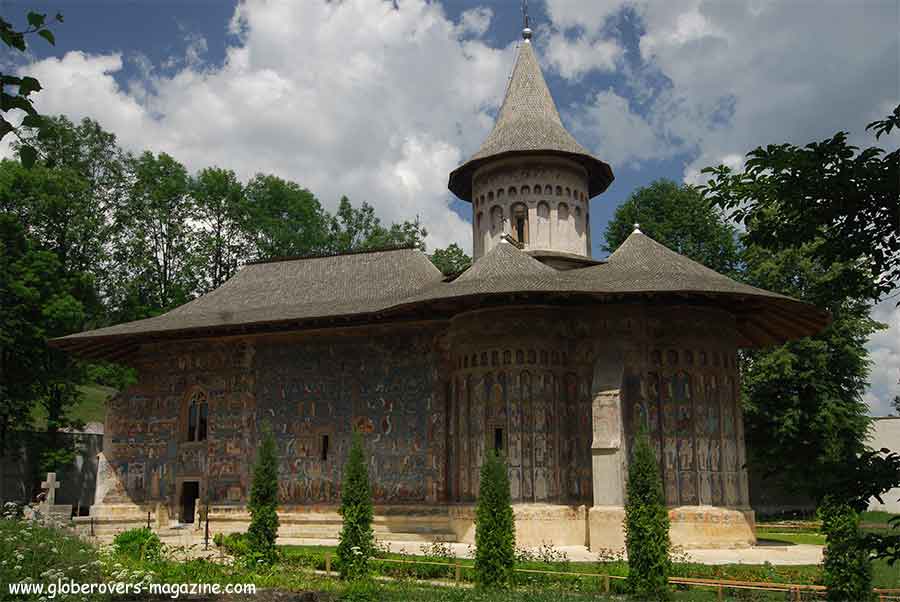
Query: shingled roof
{"points": [[383, 286], [529, 123]]}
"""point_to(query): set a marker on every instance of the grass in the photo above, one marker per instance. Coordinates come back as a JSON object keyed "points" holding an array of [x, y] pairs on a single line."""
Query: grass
{"points": [[90, 407], [877, 517], [795, 537]]}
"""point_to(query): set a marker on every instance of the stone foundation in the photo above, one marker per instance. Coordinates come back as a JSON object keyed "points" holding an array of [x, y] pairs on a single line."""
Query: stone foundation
{"points": [[599, 528]]}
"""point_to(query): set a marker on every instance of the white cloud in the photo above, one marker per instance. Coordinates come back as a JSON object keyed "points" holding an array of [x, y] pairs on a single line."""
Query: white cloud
{"points": [[884, 351], [573, 58], [626, 137], [381, 113]]}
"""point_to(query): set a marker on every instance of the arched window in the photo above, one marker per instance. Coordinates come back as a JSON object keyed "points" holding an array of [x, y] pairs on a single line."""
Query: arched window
{"points": [[562, 212], [512, 191], [559, 191], [500, 192], [520, 222], [197, 415], [526, 190], [548, 189], [496, 219]]}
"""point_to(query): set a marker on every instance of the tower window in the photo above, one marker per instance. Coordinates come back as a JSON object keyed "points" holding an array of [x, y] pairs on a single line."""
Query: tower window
{"points": [[498, 440], [520, 222], [324, 448]]}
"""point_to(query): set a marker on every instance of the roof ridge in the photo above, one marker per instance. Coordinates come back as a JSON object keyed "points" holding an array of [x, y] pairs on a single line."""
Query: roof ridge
{"points": [[326, 254]]}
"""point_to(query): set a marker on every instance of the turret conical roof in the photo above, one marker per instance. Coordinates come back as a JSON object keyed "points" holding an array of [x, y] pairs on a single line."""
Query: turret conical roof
{"points": [[529, 123]]}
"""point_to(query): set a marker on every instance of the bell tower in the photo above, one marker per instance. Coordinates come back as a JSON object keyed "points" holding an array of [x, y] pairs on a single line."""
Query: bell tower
{"points": [[531, 180]]}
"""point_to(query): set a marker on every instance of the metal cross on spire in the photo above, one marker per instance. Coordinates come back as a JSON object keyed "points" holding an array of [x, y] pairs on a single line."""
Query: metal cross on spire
{"points": [[526, 32]]}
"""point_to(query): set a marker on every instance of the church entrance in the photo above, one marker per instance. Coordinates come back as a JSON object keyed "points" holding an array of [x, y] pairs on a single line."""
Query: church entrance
{"points": [[190, 493]]}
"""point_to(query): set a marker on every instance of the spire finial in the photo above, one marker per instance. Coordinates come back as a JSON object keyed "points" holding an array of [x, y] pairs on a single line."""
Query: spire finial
{"points": [[526, 32], [637, 228]]}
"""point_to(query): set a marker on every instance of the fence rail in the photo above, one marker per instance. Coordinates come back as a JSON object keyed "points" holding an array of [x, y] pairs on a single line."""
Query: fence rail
{"points": [[795, 589]]}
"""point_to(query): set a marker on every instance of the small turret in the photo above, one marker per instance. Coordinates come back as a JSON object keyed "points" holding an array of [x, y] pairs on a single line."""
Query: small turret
{"points": [[530, 179]]}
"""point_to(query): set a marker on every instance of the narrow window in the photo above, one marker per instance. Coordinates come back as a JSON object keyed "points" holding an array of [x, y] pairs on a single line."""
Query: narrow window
{"points": [[498, 440], [520, 228], [324, 448], [197, 417]]}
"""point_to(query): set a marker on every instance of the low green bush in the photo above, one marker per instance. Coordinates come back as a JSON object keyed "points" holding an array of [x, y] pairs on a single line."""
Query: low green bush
{"points": [[138, 544], [846, 566], [236, 544]]}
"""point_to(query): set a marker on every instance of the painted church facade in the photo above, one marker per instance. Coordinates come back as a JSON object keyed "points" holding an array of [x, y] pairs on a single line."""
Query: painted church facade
{"points": [[537, 351]]}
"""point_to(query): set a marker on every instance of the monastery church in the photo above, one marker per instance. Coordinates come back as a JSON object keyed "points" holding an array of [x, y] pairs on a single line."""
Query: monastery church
{"points": [[537, 351]]}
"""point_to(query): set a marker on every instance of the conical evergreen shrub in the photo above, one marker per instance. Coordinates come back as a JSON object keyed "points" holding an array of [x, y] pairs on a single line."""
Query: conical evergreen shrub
{"points": [[357, 541], [264, 501], [495, 537], [847, 568], [646, 525]]}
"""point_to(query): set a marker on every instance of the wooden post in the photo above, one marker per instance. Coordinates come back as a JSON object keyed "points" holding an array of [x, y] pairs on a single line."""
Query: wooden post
{"points": [[92, 526], [720, 594], [605, 584], [328, 564], [458, 572], [148, 520]]}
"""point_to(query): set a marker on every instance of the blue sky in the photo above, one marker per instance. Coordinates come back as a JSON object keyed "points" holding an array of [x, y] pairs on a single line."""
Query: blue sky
{"points": [[360, 98]]}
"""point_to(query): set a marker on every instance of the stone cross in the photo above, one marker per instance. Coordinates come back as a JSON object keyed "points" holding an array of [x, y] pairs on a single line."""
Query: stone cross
{"points": [[51, 485]]}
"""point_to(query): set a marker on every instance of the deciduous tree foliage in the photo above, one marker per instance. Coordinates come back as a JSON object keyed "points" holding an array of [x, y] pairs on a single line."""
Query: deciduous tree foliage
{"points": [[16, 39], [829, 194], [222, 240], [451, 260]]}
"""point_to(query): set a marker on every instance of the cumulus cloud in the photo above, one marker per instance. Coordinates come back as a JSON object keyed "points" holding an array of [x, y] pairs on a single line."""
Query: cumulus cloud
{"points": [[573, 58], [625, 137], [884, 351], [381, 113]]}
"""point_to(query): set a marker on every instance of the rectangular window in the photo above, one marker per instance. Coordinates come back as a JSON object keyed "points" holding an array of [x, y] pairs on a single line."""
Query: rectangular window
{"points": [[324, 448], [498, 440]]}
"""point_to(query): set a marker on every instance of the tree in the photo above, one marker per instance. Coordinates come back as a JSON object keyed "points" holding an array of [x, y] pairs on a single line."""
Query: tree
{"points": [[495, 537], [282, 219], [25, 85], [356, 541], [804, 412], [352, 229], [155, 246], [646, 525], [827, 194], [677, 216], [263, 505], [222, 243], [36, 303], [452, 260]]}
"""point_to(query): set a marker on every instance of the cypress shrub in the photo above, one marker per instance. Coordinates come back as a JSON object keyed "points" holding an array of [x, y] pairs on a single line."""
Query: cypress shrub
{"points": [[357, 541], [495, 538], [264, 502], [847, 570], [646, 525]]}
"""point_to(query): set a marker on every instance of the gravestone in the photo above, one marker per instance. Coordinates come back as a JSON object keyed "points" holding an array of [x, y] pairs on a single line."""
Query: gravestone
{"points": [[49, 506]]}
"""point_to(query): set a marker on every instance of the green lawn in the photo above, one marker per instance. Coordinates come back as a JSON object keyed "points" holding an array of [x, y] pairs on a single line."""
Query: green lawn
{"points": [[796, 537], [91, 407]]}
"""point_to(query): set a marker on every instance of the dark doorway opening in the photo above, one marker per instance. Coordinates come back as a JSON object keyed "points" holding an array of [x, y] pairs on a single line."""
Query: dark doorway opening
{"points": [[190, 492]]}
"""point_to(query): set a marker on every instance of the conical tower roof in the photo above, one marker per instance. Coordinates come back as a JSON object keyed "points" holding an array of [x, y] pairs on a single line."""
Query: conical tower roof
{"points": [[529, 124]]}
